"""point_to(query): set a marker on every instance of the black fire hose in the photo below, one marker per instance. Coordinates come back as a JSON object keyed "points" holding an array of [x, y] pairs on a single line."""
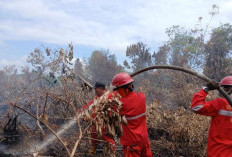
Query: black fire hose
{"points": [[203, 77]]}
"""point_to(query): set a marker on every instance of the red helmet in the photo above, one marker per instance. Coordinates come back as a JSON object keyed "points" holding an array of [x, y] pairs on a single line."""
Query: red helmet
{"points": [[226, 81], [121, 79]]}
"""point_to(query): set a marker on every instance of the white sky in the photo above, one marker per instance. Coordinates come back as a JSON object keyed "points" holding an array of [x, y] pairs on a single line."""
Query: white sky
{"points": [[108, 24]]}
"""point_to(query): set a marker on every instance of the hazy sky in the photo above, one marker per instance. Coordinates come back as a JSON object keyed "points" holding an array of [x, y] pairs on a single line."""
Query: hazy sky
{"points": [[97, 24]]}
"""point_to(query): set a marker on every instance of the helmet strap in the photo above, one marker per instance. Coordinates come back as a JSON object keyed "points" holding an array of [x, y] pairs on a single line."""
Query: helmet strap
{"points": [[130, 87], [228, 89]]}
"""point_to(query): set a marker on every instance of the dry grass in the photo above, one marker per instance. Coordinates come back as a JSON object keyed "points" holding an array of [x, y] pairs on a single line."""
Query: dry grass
{"points": [[176, 132]]}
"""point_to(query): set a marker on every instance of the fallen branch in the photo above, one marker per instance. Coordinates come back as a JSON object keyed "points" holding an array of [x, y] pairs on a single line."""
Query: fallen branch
{"points": [[37, 116], [53, 132]]}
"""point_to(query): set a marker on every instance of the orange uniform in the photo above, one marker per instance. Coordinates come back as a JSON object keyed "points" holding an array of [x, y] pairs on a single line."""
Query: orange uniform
{"points": [[220, 131], [135, 136]]}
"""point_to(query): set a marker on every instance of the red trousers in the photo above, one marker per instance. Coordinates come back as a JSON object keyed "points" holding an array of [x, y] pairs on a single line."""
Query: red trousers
{"points": [[143, 150]]}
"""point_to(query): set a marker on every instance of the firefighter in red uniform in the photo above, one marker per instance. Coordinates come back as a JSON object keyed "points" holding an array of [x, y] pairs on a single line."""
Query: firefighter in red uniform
{"points": [[94, 142], [135, 136], [220, 131]]}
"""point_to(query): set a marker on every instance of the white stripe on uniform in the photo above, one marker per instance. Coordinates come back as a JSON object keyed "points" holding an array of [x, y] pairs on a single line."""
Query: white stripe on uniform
{"points": [[135, 117], [196, 108], [225, 113]]}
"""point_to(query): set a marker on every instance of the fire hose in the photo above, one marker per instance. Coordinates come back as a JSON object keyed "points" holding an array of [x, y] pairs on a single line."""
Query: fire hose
{"points": [[202, 77]]}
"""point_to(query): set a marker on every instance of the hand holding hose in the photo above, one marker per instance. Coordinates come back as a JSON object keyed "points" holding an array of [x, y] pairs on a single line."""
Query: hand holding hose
{"points": [[212, 85]]}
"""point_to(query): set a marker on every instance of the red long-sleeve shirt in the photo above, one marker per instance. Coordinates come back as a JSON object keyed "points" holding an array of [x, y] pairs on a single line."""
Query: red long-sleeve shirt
{"points": [[220, 131], [134, 108]]}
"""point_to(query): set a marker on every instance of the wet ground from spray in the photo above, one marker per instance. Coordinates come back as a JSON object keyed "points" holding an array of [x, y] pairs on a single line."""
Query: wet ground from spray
{"points": [[29, 144], [11, 151], [14, 149]]}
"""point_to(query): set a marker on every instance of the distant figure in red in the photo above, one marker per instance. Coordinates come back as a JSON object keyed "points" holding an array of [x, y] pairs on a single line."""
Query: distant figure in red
{"points": [[135, 136], [220, 131], [99, 91]]}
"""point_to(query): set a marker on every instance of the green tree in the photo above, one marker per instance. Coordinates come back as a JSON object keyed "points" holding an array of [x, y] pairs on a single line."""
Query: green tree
{"points": [[160, 57], [185, 47], [218, 53], [139, 55], [103, 66]]}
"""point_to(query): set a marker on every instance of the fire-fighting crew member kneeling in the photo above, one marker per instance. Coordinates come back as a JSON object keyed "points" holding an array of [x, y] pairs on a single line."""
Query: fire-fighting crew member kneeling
{"points": [[135, 136], [220, 131], [100, 90]]}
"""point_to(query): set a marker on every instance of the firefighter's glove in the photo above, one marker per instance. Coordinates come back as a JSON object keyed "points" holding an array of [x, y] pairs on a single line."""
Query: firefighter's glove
{"points": [[92, 151], [212, 85]]}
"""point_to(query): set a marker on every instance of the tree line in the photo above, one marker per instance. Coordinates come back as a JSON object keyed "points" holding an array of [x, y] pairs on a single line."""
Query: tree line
{"points": [[185, 48]]}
